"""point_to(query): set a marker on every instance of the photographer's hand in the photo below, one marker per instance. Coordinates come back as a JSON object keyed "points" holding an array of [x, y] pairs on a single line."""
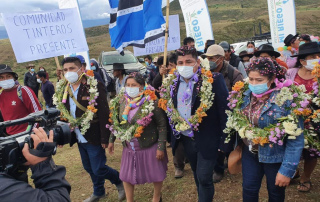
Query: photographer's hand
{"points": [[39, 136]]}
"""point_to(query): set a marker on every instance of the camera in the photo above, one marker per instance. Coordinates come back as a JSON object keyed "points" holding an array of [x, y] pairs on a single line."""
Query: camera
{"points": [[11, 156]]}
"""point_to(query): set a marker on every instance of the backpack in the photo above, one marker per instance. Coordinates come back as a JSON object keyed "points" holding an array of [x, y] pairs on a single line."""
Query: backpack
{"points": [[19, 93]]}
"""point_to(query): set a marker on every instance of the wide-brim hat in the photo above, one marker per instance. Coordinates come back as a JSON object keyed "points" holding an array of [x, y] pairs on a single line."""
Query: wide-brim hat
{"points": [[308, 49], [7, 69], [234, 161], [265, 48], [118, 66], [288, 39], [30, 65], [243, 54]]}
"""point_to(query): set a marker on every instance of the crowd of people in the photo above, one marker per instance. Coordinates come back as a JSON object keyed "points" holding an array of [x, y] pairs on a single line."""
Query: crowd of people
{"points": [[203, 105]]}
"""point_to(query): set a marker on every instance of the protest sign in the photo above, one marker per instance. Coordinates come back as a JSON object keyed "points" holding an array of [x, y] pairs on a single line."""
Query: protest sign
{"points": [[157, 46], [197, 21], [74, 4], [39, 35], [282, 19]]}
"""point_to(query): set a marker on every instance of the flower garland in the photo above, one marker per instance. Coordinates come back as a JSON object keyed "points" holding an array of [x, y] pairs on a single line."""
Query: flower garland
{"points": [[312, 123], [286, 127], [87, 117], [135, 129], [177, 123]]}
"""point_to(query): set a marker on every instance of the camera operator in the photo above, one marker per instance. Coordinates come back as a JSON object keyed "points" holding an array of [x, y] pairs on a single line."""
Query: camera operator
{"points": [[48, 178]]}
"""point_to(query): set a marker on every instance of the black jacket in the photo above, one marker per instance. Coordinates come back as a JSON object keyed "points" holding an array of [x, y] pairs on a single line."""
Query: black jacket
{"points": [[48, 179], [31, 81]]}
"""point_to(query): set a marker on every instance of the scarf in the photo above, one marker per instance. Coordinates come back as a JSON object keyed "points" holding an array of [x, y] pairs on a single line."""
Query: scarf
{"points": [[132, 104]]}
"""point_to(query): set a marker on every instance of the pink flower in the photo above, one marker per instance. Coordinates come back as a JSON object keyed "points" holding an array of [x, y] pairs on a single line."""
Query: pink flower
{"points": [[304, 103], [293, 105], [295, 95]]}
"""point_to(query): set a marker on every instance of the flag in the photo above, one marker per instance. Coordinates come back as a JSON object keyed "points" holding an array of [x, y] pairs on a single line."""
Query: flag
{"points": [[135, 22]]}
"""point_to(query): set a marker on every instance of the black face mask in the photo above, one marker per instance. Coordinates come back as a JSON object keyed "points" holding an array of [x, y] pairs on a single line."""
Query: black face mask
{"points": [[213, 65]]}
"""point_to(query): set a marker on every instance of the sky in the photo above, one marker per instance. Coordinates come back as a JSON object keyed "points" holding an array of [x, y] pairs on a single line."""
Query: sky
{"points": [[90, 9]]}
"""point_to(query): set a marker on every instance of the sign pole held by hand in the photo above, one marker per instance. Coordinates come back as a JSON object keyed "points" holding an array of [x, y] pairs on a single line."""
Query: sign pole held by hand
{"points": [[166, 36]]}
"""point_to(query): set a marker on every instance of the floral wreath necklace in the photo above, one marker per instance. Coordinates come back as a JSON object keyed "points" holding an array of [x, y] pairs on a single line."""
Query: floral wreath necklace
{"points": [[123, 131], [177, 123], [60, 98]]}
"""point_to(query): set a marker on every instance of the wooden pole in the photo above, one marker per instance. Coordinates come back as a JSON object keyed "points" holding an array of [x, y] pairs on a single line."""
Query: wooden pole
{"points": [[166, 36], [58, 66]]}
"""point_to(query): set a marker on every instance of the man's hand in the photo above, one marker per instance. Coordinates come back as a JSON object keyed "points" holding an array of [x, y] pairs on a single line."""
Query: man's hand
{"points": [[104, 146], [39, 136], [282, 181], [111, 148], [160, 155], [163, 70]]}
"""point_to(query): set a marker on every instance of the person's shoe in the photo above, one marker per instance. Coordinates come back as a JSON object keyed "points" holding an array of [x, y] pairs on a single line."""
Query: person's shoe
{"points": [[121, 192], [217, 177], [178, 174], [94, 198]]}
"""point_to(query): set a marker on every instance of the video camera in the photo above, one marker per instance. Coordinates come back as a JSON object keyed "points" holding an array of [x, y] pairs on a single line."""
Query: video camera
{"points": [[11, 147]]}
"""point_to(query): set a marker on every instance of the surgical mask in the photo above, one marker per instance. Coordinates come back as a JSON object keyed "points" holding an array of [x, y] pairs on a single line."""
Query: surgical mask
{"points": [[7, 84], [39, 81], [213, 65], [259, 88], [147, 63], [311, 63], [186, 71], [301, 43], [246, 64], [250, 50], [42, 70], [93, 67], [32, 70], [133, 91], [72, 77]]}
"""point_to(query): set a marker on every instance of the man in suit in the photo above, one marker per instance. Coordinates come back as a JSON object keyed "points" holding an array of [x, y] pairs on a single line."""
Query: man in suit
{"points": [[202, 148], [92, 144]]}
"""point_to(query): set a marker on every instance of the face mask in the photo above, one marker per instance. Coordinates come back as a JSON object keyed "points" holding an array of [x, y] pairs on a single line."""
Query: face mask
{"points": [[32, 70], [7, 84], [186, 71], [147, 63], [259, 88], [301, 43], [39, 81], [213, 65], [250, 50], [133, 91], [42, 70], [246, 64], [93, 68], [72, 76], [311, 63]]}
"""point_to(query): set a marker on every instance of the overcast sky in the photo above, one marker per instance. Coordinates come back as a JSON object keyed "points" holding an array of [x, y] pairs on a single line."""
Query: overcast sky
{"points": [[90, 9]]}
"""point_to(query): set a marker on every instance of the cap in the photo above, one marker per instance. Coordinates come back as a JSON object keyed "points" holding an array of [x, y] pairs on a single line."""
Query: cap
{"points": [[225, 45], [214, 50], [81, 58]]}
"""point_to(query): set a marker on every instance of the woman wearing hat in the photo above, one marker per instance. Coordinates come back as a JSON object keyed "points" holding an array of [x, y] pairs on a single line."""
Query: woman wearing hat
{"points": [[293, 42], [245, 58], [259, 109], [119, 73], [141, 126], [301, 74], [265, 50]]}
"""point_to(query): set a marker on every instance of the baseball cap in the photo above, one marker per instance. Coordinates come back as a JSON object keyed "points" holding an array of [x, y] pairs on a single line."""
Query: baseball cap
{"points": [[214, 50], [225, 45], [81, 58]]}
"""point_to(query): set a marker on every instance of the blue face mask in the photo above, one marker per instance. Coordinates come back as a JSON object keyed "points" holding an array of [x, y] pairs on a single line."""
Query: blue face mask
{"points": [[301, 43], [147, 63], [93, 67], [259, 88]]}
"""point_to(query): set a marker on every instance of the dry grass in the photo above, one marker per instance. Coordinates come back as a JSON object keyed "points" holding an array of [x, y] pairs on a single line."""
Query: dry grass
{"points": [[229, 189]]}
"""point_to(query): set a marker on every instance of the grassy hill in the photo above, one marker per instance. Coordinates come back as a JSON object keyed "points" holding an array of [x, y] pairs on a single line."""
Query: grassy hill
{"points": [[232, 20]]}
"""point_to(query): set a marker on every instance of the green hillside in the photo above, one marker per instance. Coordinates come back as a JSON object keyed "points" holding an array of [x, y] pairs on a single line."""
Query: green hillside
{"points": [[232, 20]]}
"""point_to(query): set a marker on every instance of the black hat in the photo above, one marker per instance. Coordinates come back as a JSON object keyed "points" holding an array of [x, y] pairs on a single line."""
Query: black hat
{"points": [[289, 38], [243, 54], [265, 48], [7, 69], [308, 49], [118, 66]]}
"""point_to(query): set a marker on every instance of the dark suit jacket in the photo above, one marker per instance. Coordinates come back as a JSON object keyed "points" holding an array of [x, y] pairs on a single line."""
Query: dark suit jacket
{"points": [[97, 133], [210, 130]]}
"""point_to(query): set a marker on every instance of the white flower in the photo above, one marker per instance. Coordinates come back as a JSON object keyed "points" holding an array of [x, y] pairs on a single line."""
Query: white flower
{"points": [[205, 63], [290, 127], [241, 132], [249, 134]]}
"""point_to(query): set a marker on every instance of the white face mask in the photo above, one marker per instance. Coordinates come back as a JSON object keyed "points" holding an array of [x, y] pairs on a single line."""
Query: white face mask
{"points": [[250, 50], [186, 71], [42, 70], [7, 84], [72, 77], [246, 64], [133, 91], [39, 81], [311, 63]]}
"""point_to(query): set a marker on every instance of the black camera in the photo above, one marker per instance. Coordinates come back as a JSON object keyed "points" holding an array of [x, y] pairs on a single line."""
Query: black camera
{"points": [[11, 156]]}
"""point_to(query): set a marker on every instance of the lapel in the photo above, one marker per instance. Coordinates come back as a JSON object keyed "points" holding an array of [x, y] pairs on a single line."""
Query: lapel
{"points": [[246, 99], [175, 95]]}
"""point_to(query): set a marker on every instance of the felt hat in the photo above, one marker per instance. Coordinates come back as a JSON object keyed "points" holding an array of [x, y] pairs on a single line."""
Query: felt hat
{"points": [[7, 69], [289, 38], [308, 49], [265, 48], [243, 54]]}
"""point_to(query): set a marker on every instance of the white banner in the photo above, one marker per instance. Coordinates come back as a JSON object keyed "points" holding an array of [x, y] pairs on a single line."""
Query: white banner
{"points": [[197, 20], [74, 4], [157, 46], [282, 17], [45, 34]]}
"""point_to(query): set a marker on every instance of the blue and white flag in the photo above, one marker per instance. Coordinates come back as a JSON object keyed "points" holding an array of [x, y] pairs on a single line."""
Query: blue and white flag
{"points": [[135, 22]]}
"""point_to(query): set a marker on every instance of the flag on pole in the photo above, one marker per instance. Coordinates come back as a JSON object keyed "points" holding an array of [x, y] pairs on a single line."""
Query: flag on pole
{"points": [[135, 22]]}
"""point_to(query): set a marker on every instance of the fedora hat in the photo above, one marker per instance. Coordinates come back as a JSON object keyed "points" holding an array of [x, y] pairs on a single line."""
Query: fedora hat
{"points": [[7, 69], [288, 39], [265, 48], [234, 161], [308, 49], [118, 66], [243, 54]]}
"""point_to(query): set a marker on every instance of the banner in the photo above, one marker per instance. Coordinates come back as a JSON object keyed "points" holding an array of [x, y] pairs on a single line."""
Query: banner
{"points": [[45, 34], [197, 20], [282, 17], [74, 4], [157, 46]]}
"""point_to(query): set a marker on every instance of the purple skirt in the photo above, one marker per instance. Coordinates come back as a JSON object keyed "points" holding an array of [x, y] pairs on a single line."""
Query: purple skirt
{"points": [[140, 166]]}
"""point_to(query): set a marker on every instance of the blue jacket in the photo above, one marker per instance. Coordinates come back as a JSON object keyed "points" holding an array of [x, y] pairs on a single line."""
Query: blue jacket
{"points": [[210, 130], [288, 154]]}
